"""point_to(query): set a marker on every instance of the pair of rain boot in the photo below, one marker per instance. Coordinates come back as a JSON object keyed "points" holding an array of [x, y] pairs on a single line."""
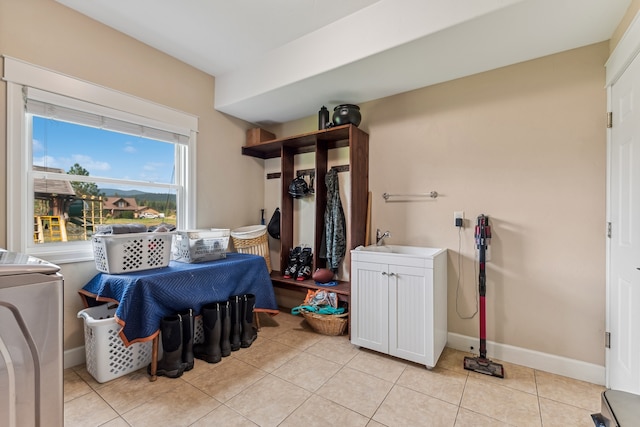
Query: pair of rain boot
{"points": [[176, 332], [243, 330], [227, 326], [188, 330], [300, 263], [249, 330], [215, 329]]}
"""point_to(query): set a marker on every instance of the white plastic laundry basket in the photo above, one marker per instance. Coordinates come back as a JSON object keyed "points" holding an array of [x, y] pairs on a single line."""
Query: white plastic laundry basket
{"points": [[126, 253], [107, 357]]}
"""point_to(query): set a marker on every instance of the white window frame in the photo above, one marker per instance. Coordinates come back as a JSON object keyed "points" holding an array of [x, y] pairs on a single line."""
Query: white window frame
{"points": [[19, 75]]}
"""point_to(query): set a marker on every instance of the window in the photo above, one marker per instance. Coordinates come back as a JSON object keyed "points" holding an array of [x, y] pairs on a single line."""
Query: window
{"points": [[80, 155], [69, 163]]}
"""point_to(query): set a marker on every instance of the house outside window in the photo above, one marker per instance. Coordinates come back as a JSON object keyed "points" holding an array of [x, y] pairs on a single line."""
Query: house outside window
{"points": [[81, 155]]}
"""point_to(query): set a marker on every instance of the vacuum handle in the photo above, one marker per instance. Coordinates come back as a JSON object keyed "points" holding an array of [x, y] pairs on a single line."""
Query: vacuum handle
{"points": [[483, 231]]}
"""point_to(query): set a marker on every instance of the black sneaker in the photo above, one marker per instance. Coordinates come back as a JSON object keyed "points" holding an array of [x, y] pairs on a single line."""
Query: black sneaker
{"points": [[306, 261], [294, 263]]}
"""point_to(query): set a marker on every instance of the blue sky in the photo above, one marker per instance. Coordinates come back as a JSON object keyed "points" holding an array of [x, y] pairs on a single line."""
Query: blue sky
{"points": [[103, 153]]}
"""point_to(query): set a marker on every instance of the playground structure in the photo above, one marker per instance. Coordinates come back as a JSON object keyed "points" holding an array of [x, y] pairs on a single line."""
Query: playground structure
{"points": [[50, 228], [85, 211]]}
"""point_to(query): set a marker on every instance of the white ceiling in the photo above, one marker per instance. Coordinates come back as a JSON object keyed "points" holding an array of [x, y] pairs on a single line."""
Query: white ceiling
{"points": [[279, 60]]}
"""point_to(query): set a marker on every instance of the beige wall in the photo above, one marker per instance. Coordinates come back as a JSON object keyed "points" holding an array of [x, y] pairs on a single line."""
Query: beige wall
{"points": [[48, 34], [526, 145], [632, 10]]}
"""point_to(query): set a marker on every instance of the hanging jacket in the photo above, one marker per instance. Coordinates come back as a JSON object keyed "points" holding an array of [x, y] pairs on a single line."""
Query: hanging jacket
{"points": [[334, 222]]}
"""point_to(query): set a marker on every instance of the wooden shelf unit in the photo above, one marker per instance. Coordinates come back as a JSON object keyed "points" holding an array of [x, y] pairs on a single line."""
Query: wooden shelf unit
{"points": [[342, 289], [319, 142]]}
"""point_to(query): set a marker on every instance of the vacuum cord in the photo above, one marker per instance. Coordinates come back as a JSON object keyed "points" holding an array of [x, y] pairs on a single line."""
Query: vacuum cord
{"points": [[459, 283]]}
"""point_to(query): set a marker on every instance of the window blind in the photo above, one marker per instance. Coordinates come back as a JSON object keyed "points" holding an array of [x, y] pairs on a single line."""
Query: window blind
{"points": [[51, 106]]}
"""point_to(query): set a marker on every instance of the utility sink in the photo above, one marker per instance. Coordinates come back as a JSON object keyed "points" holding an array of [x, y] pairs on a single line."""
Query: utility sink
{"points": [[415, 251], [399, 301]]}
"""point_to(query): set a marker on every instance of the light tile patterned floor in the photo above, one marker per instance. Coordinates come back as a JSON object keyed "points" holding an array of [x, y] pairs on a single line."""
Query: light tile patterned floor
{"points": [[292, 376]]}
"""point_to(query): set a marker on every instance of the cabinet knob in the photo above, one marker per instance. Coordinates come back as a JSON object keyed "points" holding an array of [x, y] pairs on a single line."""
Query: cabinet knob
{"points": [[392, 274], [384, 273]]}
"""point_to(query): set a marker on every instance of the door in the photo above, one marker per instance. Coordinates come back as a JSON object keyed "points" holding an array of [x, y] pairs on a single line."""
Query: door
{"points": [[370, 306], [410, 313], [623, 305]]}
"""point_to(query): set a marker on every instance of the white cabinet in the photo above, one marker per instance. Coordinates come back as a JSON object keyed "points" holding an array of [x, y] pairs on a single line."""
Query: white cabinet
{"points": [[399, 301]]}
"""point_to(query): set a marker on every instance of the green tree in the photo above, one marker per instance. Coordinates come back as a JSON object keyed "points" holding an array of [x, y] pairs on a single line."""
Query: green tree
{"points": [[83, 188]]}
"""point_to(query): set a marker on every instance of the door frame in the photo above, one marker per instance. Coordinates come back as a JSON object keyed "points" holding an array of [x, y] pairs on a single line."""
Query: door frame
{"points": [[619, 60]]}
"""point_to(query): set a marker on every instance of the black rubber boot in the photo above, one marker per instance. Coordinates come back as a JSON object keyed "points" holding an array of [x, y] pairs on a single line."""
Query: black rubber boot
{"points": [[249, 332], [171, 364], [187, 338], [210, 351], [236, 321], [225, 316]]}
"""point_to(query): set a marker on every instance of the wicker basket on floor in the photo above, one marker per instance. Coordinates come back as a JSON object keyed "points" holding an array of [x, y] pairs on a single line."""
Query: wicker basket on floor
{"points": [[326, 324], [252, 239]]}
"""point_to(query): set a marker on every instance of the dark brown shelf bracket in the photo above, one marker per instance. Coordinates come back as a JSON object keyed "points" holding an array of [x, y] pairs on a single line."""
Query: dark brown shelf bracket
{"points": [[308, 172], [341, 168]]}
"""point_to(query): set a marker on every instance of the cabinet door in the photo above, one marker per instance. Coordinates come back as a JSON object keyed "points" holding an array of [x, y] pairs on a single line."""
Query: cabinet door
{"points": [[370, 306], [410, 313]]}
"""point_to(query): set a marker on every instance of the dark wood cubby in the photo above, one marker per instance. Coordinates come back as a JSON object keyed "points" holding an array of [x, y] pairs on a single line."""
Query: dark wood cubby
{"points": [[319, 142]]}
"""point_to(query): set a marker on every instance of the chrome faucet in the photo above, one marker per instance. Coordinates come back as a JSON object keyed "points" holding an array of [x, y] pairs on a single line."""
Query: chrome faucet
{"points": [[381, 236]]}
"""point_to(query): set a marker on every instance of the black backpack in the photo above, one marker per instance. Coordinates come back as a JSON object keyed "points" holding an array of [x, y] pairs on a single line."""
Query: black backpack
{"points": [[274, 224]]}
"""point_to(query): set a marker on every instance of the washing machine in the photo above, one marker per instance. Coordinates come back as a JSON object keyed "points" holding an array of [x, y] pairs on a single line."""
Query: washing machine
{"points": [[31, 358], [618, 409]]}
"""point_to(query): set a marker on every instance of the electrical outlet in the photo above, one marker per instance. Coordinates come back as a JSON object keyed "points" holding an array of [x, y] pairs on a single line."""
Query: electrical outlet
{"points": [[458, 218]]}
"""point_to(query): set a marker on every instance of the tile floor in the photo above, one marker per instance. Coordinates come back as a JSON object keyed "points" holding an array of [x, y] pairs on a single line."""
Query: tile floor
{"points": [[292, 376]]}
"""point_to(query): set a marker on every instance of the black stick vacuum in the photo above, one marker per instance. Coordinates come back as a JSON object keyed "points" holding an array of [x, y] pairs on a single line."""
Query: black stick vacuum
{"points": [[481, 364]]}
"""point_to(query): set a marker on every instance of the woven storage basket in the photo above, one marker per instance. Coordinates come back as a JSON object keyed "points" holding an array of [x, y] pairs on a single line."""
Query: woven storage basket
{"points": [[326, 324], [252, 239]]}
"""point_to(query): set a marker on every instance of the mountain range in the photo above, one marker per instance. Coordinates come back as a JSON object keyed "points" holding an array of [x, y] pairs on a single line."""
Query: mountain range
{"points": [[138, 195]]}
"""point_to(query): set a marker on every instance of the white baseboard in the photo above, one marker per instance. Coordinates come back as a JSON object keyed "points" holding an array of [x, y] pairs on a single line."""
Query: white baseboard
{"points": [[559, 365], [74, 357]]}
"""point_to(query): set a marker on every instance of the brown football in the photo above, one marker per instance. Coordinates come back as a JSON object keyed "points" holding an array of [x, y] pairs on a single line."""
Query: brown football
{"points": [[323, 275]]}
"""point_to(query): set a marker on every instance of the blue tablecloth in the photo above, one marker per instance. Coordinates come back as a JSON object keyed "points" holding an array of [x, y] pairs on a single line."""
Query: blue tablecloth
{"points": [[145, 297]]}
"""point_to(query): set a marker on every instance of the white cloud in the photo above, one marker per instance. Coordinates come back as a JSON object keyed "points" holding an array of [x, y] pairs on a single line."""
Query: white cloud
{"points": [[37, 146], [89, 163], [152, 166], [48, 161]]}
